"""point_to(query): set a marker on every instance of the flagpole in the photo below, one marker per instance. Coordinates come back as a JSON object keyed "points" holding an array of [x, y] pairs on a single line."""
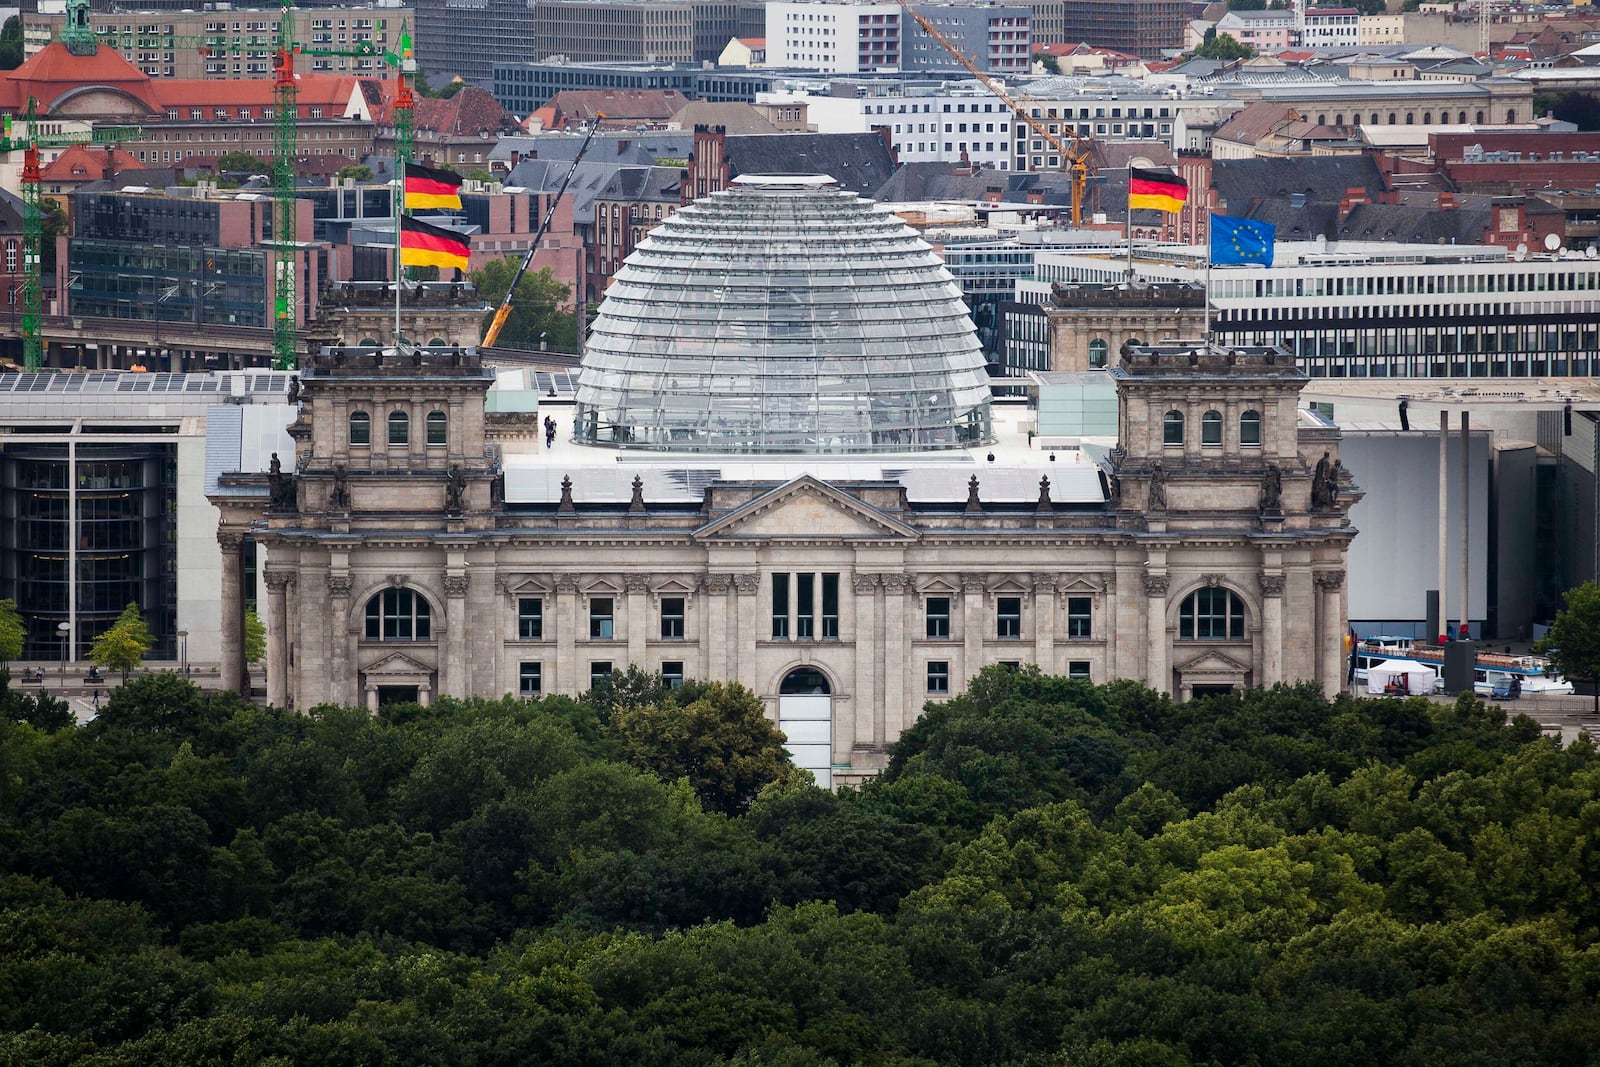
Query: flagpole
{"points": [[399, 197], [1129, 228]]}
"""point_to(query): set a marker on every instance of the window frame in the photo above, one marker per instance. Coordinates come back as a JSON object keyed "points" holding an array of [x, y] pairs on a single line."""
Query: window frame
{"points": [[530, 624], [1005, 619], [938, 676], [1172, 429], [536, 674], [1251, 418], [673, 622], [596, 675], [437, 420], [386, 618], [1211, 429], [672, 673], [602, 620], [1232, 616], [399, 424], [933, 619], [1080, 623], [362, 419]]}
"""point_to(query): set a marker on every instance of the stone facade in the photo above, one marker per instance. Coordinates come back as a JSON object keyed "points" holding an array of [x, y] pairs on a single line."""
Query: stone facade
{"points": [[400, 571], [1090, 324]]}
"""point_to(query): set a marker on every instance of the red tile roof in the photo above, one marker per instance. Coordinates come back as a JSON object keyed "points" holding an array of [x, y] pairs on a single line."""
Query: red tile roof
{"points": [[80, 163], [54, 75]]}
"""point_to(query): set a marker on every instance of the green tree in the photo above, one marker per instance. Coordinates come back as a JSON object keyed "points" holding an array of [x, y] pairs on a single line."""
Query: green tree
{"points": [[255, 638], [11, 44], [444, 92], [541, 311], [722, 742], [359, 171], [1049, 62], [1573, 643], [124, 646], [12, 631], [1222, 46], [244, 161]]}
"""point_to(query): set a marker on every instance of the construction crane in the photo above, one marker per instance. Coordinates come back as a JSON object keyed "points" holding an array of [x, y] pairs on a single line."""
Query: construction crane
{"points": [[33, 214], [285, 194], [503, 312], [1075, 158]]}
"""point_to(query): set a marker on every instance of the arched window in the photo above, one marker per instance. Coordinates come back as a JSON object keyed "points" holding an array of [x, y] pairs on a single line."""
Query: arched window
{"points": [[1097, 352], [399, 428], [398, 615], [1250, 428], [1211, 428], [1172, 429], [1338, 120], [360, 428], [1511, 116], [1462, 118], [1410, 118], [1427, 118], [369, 342], [1391, 118], [804, 681], [1211, 615], [1322, 120], [1374, 119], [1479, 118], [436, 428]]}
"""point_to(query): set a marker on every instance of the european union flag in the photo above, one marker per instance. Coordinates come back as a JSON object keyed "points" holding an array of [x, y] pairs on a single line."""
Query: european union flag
{"points": [[1241, 241]]}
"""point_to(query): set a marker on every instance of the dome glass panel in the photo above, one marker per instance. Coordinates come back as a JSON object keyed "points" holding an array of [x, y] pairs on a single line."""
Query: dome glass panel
{"points": [[783, 315]]}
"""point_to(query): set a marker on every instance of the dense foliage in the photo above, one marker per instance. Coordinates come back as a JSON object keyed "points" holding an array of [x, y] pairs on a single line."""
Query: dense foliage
{"points": [[541, 311], [1048, 873]]}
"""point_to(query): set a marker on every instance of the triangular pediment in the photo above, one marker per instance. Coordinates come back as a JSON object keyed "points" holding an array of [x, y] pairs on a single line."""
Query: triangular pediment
{"points": [[397, 665], [673, 587], [1079, 584], [1213, 662], [527, 585], [940, 587], [803, 510]]}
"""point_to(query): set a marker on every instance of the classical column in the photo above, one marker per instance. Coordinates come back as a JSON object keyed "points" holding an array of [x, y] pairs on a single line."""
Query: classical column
{"points": [[1330, 630], [571, 677], [716, 586], [453, 669], [1271, 630], [972, 627], [339, 681], [896, 656], [1044, 623], [638, 618], [748, 622], [277, 638], [232, 664], [865, 634], [1158, 672]]}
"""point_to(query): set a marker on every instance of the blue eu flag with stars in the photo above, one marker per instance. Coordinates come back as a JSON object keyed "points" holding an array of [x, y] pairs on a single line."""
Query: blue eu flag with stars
{"points": [[1241, 241]]}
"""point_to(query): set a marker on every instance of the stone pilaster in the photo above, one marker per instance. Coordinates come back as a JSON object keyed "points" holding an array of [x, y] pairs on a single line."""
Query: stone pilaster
{"points": [[896, 653], [1271, 629], [453, 668], [717, 586], [973, 626], [867, 633], [1158, 669], [1330, 630], [232, 592], [637, 619], [572, 677], [1044, 623], [749, 623], [341, 682], [278, 638]]}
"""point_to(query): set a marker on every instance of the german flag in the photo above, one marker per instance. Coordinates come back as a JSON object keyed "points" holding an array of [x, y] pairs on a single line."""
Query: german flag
{"points": [[422, 245], [426, 187], [1157, 190]]}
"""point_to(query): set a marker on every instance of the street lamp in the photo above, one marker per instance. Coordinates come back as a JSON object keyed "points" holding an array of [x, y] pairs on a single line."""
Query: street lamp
{"points": [[183, 652], [63, 628]]}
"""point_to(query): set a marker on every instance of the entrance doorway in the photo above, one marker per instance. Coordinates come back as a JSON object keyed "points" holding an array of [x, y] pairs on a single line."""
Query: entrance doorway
{"points": [[805, 715]]}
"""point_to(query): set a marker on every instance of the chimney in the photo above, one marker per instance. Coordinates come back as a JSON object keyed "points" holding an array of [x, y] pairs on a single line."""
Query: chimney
{"points": [[110, 170], [1447, 202], [1352, 199]]}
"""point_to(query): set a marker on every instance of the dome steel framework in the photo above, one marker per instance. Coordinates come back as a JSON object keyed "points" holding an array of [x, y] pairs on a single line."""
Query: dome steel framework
{"points": [[783, 315]]}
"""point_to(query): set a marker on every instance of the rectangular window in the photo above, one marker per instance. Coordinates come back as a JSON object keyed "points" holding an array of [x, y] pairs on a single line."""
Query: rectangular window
{"points": [[1079, 618], [1008, 618], [600, 618], [1078, 668], [804, 606], [599, 671], [830, 607], [530, 679], [938, 676], [530, 618], [672, 618], [938, 616], [672, 673], [780, 607]]}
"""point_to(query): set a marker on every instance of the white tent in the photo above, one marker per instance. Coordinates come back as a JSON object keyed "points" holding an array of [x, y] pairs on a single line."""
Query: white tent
{"points": [[1415, 677]]}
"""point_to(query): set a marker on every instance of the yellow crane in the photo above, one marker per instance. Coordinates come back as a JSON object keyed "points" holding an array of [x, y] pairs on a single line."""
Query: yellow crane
{"points": [[503, 312], [1074, 156]]}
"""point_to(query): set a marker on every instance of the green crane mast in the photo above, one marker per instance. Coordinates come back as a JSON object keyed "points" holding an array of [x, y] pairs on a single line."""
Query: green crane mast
{"points": [[285, 190]]}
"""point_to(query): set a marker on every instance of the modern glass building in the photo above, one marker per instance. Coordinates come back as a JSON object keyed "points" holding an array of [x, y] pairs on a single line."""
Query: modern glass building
{"points": [[783, 315]]}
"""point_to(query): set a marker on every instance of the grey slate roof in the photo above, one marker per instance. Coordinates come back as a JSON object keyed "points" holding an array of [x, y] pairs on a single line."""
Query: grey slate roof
{"points": [[639, 149], [1243, 184]]}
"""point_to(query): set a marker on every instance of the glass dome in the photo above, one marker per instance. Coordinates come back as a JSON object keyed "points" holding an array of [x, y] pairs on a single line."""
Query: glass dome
{"points": [[783, 315]]}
